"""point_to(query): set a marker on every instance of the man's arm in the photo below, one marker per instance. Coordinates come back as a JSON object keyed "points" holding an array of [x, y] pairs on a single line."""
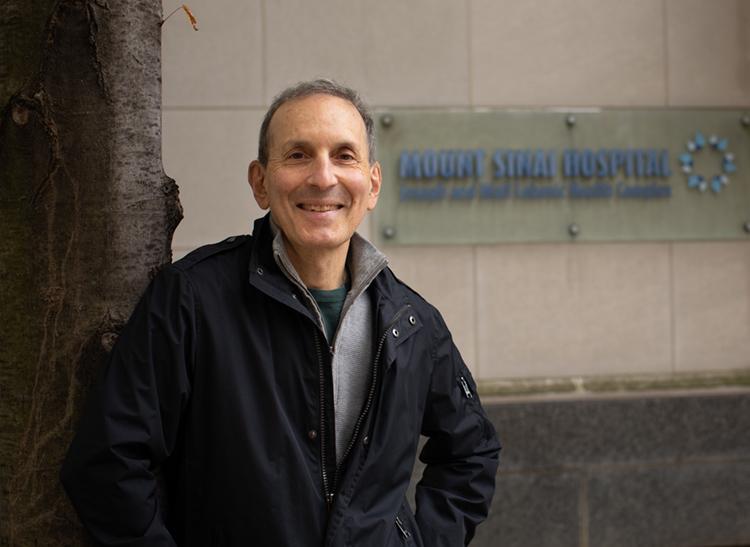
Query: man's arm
{"points": [[461, 453], [130, 422]]}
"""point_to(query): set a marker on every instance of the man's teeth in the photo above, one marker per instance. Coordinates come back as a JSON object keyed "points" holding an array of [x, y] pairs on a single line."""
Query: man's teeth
{"points": [[319, 208]]}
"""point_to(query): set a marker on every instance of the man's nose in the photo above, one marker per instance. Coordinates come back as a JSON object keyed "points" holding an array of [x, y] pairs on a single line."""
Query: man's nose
{"points": [[323, 172]]}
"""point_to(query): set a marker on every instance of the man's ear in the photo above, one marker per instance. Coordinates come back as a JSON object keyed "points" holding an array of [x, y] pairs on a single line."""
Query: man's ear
{"points": [[256, 176], [375, 181]]}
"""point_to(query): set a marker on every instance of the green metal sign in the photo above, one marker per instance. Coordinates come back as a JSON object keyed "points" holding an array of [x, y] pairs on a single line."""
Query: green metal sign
{"points": [[609, 175]]}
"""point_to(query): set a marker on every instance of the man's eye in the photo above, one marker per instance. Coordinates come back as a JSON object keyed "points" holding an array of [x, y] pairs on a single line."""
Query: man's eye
{"points": [[346, 156], [296, 156]]}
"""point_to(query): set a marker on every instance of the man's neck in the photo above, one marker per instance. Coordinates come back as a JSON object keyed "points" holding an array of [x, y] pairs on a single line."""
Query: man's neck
{"points": [[324, 270]]}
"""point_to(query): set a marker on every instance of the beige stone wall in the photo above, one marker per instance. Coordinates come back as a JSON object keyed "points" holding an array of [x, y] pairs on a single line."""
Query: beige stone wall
{"points": [[516, 311]]}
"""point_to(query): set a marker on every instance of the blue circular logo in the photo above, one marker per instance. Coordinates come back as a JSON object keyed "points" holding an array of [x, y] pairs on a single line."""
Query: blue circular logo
{"points": [[717, 179]]}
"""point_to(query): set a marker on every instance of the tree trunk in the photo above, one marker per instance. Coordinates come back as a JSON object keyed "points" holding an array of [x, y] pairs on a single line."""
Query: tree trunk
{"points": [[86, 216]]}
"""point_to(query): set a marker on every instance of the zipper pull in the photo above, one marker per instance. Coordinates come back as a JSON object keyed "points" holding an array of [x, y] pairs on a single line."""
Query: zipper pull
{"points": [[465, 387], [329, 501], [402, 528]]}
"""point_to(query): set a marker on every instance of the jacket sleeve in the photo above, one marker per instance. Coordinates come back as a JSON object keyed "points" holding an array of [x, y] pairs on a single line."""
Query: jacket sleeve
{"points": [[129, 425], [461, 453]]}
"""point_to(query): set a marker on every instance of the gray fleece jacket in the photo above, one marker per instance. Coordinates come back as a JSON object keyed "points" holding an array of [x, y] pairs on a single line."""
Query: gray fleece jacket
{"points": [[351, 344]]}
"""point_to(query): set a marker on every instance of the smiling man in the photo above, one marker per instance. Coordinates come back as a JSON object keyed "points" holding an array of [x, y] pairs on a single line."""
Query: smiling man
{"points": [[317, 179], [280, 381]]}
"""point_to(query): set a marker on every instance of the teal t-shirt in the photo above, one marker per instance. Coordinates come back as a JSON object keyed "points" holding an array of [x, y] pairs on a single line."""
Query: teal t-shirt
{"points": [[330, 304]]}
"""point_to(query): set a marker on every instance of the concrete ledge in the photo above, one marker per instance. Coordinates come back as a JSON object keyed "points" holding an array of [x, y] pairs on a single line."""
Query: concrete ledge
{"points": [[610, 430], [640, 469], [615, 384]]}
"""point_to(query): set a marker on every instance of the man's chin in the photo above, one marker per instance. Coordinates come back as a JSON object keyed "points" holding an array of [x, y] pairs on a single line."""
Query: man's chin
{"points": [[321, 242]]}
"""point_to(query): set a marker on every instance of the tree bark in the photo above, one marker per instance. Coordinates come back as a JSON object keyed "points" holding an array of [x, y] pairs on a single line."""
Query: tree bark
{"points": [[86, 217]]}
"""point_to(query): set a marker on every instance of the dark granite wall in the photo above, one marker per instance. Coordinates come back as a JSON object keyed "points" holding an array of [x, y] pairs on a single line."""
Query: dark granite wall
{"points": [[646, 470]]}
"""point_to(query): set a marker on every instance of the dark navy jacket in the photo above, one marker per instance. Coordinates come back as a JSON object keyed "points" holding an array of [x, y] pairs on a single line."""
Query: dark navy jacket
{"points": [[220, 384]]}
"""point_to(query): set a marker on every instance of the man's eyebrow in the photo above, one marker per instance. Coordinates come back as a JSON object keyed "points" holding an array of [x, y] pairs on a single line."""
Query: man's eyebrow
{"points": [[348, 144], [294, 144]]}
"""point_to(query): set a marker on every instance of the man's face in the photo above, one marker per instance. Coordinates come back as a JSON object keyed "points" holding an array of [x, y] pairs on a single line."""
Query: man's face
{"points": [[319, 181]]}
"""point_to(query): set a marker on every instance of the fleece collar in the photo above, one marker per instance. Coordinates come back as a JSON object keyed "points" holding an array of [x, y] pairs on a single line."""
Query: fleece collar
{"points": [[363, 263]]}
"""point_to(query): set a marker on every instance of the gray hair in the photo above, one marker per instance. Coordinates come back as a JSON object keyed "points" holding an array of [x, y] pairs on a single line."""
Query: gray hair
{"points": [[316, 87]]}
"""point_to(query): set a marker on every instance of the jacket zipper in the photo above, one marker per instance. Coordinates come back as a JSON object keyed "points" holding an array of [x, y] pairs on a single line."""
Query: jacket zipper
{"points": [[465, 386], [401, 528], [329, 493]]}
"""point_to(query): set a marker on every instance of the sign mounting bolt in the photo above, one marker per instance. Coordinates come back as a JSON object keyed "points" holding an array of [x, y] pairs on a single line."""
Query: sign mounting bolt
{"points": [[386, 120], [570, 120], [389, 232], [746, 227], [745, 120], [573, 229]]}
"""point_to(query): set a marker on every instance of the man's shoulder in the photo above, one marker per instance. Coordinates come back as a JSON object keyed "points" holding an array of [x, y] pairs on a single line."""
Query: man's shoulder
{"points": [[220, 255], [402, 291]]}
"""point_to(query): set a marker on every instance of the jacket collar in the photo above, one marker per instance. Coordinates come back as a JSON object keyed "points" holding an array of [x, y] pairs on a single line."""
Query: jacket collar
{"points": [[264, 273]]}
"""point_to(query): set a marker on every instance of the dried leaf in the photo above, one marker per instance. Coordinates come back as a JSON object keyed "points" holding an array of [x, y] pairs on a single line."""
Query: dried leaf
{"points": [[191, 17]]}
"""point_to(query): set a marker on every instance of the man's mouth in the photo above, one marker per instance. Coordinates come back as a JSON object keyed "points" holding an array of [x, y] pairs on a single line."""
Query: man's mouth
{"points": [[319, 208]]}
